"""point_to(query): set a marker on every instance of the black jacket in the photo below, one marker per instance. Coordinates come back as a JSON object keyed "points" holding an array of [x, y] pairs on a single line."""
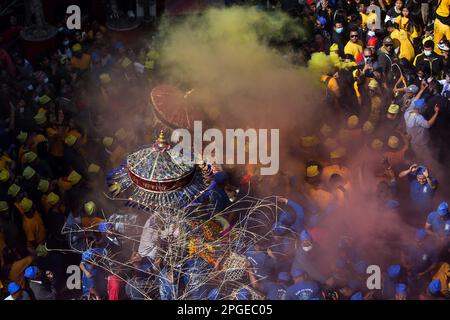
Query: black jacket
{"points": [[433, 64]]}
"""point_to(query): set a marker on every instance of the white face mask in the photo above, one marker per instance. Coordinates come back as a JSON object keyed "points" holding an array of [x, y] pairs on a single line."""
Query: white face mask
{"points": [[427, 52], [371, 33], [397, 50], [308, 248]]}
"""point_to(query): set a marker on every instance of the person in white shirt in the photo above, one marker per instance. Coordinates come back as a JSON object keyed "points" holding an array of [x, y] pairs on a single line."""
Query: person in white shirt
{"points": [[16, 293]]}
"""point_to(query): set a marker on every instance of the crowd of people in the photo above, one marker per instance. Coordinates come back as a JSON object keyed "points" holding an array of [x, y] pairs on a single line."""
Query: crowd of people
{"points": [[388, 96]]}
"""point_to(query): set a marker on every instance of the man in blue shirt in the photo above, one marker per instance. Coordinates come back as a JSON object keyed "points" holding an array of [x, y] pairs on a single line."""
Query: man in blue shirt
{"points": [[294, 221], [262, 264], [421, 187], [436, 220], [302, 289]]}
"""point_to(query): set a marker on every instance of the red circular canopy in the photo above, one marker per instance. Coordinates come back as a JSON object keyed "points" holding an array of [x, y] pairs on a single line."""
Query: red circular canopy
{"points": [[172, 107]]}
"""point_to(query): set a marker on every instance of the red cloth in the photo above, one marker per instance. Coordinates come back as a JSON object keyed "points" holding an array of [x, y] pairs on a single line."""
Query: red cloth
{"points": [[114, 284], [360, 58], [7, 63]]}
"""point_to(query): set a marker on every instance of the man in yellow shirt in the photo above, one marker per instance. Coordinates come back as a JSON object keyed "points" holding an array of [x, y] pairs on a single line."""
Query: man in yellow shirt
{"points": [[442, 22], [354, 46], [80, 61]]}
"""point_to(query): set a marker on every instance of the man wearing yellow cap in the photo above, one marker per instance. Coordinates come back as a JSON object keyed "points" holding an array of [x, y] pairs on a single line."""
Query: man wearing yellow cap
{"points": [[351, 136], [392, 122], [315, 192], [89, 217], [80, 60], [397, 146], [375, 102], [66, 183], [31, 222]]}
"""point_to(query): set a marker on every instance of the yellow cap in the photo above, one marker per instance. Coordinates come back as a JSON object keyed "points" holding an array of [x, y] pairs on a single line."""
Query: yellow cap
{"points": [[126, 62], [312, 171], [4, 206], [22, 136], [89, 207], [43, 185], [40, 118], [93, 168], [338, 153], [325, 130], [373, 84], [368, 127], [30, 156], [426, 39], [393, 142], [70, 140], [377, 144], [28, 173], [44, 99], [74, 177], [153, 54], [105, 78], [394, 108], [310, 141], [13, 190], [334, 47], [76, 47], [108, 141], [4, 175], [26, 204], [121, 134], [330, 143], [150, 64], [352, 122], [41, 251], [52, 198]]}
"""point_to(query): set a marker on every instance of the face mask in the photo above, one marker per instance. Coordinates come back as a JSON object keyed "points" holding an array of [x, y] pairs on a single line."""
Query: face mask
{"points": [[66, 43], [397, 50], [339, 30], [45, 80], [307, 249], [426, 52], [371, 33], [30, 87]]}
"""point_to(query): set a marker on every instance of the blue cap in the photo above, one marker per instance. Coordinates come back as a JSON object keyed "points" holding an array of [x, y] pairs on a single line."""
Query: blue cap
{"points": [[284, 276], [31, 272], [322, 20], [421, 234], [103, 226], [420, 170], [392, 204], [213, 294], [13, 287], [87, 255], [285, 218], [220, 177], [243, 294], [278, 228], [394, 271], [434, 287], [419, 103], [357, 296], [297, 273], [119, 45], [360, 267], [443, 208], [304, 235], [401, 288]]}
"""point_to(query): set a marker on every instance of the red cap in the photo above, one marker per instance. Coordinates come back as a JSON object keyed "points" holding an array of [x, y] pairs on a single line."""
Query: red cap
{"points": [[372, 42], [309, 2]]}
